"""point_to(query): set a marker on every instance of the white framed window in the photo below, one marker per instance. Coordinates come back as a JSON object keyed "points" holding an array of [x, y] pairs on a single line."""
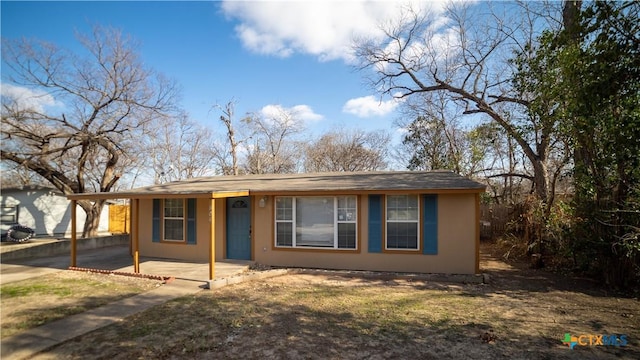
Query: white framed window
{"points": [[402, 222], [9, 215], [174, 220], [322, 222], [284, 221]]}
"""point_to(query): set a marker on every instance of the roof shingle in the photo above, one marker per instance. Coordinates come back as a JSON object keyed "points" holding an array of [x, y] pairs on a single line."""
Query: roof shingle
{"points": [[307, 182]]}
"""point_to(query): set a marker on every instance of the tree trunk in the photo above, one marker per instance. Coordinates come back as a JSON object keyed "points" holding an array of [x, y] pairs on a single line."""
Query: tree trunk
{"points": [[570, 18], [571, 24], [93, 210], [541, 180]]}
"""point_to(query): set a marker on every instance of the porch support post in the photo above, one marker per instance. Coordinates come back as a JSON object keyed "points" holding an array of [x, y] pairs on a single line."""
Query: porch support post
{"points": [[73, 233], [477, 233], [212, 238], [135, 233]]}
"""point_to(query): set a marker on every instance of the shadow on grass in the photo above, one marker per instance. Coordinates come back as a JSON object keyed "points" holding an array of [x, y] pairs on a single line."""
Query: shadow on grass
{"points": [[330, 323], [345, 322], [395, 329]]}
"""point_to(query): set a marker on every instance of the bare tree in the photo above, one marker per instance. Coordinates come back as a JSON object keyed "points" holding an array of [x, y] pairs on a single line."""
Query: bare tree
{"points": [[493, 158], [275, 148], [181, 149], [97, 107], [438, 139], [468, 59], [434, 139], [227, 152], [343, 150], [15, 176]]}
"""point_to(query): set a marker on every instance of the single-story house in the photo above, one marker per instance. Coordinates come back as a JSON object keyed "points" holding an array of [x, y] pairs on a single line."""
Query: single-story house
{"points": [[409, 221], [44, 209]]}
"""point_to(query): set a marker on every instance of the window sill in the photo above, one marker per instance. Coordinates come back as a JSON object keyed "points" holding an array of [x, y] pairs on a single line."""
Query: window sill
{"points": [[173, 242], [315, 249], [403, 251]]}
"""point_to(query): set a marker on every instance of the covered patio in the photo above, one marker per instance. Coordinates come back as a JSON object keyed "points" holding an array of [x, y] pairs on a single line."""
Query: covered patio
{"points": [[118, 259], [185, 270], [160, 266]]}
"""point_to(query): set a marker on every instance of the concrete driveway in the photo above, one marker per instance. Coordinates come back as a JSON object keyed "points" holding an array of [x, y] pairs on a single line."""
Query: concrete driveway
{"points": [[117, 258]]}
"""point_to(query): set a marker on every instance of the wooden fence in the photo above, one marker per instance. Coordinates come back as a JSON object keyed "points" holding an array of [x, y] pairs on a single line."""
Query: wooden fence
{"points": [[119, 219], [496, 219]]}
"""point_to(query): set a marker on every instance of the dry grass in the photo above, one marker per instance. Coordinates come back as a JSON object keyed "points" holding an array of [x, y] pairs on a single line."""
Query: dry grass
{"points": [[33, 302], [521, 314]]}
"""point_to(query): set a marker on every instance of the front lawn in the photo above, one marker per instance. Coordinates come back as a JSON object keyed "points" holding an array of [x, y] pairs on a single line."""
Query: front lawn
{"points": [[521, 313]]}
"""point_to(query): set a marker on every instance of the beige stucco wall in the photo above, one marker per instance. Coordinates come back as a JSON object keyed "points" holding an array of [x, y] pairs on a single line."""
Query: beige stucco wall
{"points": [[198, 252], [456, 240], [456, 243]]}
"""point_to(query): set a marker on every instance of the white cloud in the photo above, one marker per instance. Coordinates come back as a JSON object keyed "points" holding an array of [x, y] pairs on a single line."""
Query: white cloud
{"points": [[263, 43], [26, 98], [322, 28], [306, 113], [368, 106], [299, 112]]}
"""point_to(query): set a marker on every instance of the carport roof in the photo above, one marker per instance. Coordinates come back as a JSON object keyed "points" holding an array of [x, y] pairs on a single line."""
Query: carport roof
{"points": [[271, 184]]}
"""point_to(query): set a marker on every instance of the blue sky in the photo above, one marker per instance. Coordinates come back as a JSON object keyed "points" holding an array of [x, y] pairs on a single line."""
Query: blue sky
{"points": [[293, 55]]}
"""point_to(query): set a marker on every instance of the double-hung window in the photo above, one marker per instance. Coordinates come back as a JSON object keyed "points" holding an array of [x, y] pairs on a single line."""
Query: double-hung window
{"points": [[316, 222], [174, 220], [402, 222]]}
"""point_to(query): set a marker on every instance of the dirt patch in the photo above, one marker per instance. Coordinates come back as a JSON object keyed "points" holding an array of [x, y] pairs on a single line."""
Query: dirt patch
{"points": [[522, 313]]}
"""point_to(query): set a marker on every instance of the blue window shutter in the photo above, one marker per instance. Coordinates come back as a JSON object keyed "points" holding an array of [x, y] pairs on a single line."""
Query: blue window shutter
{"points": [[191, 221], [155, 232], [430, 225], [375, 223]]}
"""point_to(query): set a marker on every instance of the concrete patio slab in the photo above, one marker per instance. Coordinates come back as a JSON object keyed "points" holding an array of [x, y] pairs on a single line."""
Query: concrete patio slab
{"points": [[117, 258]]}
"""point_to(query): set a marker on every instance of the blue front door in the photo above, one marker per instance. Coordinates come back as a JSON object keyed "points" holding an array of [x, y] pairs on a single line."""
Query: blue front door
{"points": [[238, 228]]}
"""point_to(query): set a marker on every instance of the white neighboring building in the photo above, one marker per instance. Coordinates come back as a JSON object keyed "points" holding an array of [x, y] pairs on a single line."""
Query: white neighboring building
{"points": [[46, 210]]}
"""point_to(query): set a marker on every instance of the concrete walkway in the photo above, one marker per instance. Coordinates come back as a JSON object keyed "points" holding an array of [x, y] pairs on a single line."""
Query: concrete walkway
{"points": [[33, 341], [190, 278]]}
